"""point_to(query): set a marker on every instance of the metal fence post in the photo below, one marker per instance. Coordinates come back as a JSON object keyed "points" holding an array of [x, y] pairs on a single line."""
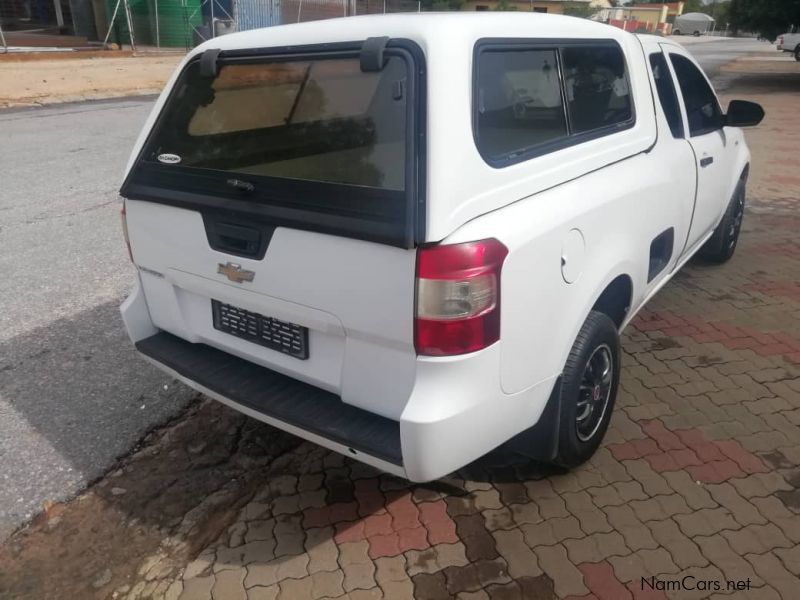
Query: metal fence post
{"points": [[3, 40], [130, 24]]}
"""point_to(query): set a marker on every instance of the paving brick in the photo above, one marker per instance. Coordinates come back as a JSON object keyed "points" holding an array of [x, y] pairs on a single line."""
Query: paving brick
{"points": [[660, 507], [550, 504], [715, 471], [487, 499], [652, 483], [261, 575], [374, 593], [717, 550], [421, 561], [757, 539], [747, 462], [706, 522], [771, 570], [399, 590], [292, 567], [551, 531], [625, 521], [522, 514], [296, 588], [683, 550], [743, 511], [256, 552], [259, 530], [492, 571], [451, 555], [321, 549], [643, 563], [567, 579], [229, 585], [600, 579], [390, 569], [264, 593], [592, 519], [521, 560], [596, 547], [197, 588], [612, 470], [512, 492], [326, 584], [790, 557], [760, 484], [775, 511], [693, 492]]}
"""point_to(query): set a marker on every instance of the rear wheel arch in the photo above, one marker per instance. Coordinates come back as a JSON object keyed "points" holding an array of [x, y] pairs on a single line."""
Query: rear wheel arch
{"points": [[615, 300]]}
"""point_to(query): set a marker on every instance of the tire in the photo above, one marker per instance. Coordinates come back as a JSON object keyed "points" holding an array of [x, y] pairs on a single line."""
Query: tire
{"points": [[696, 34], [587, 396], [676, 32], [722, 244], [797, 53]]}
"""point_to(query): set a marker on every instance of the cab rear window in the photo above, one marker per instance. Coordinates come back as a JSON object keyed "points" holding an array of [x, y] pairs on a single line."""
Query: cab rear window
{"points": [[313, 120]]}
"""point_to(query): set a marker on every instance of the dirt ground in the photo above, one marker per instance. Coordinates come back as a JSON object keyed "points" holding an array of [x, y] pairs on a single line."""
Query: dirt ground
{"points": [[211, 505], [46, 80]]}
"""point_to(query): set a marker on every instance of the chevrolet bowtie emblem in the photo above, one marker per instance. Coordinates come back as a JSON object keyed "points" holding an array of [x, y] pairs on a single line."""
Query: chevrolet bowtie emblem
{"points": [[235, 272]]}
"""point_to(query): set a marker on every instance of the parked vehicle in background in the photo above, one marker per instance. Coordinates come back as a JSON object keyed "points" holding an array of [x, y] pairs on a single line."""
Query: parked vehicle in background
{"points": [[413, 238], [790, 42], [692, 24]]}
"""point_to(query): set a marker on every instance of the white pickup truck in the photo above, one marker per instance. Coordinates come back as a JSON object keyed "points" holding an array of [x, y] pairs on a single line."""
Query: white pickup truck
{"points": [[413, 238], [790, 42]]}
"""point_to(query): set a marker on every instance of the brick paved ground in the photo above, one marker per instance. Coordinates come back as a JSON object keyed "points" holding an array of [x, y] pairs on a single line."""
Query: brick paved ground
{"points": [[698, 475]]}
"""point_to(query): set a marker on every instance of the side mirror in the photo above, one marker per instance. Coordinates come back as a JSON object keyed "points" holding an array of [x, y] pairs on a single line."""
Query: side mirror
{"points": [[742, 113]]}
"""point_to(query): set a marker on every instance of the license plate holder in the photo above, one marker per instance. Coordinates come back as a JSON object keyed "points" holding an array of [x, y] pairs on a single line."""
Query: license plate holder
{"points": [[282, 336]]}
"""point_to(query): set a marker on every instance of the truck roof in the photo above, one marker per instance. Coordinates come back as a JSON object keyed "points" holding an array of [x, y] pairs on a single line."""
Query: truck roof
{"points": [[456, 30]]}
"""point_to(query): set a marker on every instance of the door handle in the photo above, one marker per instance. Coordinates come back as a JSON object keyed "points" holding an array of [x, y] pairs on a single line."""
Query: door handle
{"points": [[706, 160]]}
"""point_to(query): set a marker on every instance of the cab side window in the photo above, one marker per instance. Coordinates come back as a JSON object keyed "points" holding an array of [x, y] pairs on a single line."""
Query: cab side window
{"points": [[534, 97], [702, 109], [596, 87], [666, 93], [519, 101]]}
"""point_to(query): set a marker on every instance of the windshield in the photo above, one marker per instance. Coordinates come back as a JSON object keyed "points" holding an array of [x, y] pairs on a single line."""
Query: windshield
{"points": [[321, 120]]}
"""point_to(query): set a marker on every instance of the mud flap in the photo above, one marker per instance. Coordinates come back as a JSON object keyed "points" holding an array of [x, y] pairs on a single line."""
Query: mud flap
{"points": [[540, 442]]}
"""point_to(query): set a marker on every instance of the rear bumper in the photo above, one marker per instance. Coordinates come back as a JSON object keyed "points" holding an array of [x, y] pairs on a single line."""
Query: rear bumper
{"points": [[278, 399], [455, 413]]}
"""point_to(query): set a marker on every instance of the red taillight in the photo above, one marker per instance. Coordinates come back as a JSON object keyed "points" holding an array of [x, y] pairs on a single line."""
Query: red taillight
{"points": [[124, 216], [458, 297]]}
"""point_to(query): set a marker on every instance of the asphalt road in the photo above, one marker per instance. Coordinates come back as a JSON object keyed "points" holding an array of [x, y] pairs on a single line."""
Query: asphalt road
{"points": [[73, 396]]}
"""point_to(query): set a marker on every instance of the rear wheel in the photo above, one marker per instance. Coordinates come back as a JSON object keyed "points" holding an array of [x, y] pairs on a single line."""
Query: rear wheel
{"points": [[721, 246], [797, 53], [696, 34], [588, 390]]}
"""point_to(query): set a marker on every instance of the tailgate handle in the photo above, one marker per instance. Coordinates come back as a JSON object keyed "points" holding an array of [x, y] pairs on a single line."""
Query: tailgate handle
{"points": [[238, 240]]}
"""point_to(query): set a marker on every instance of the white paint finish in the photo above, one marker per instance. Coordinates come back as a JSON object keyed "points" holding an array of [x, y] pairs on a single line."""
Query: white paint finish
{"points": [[598, 205], [572, 255], [456, 413]]}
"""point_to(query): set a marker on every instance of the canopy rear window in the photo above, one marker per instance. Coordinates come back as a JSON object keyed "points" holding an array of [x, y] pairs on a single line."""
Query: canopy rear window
{"points": [[306, 140], [315, 120]]}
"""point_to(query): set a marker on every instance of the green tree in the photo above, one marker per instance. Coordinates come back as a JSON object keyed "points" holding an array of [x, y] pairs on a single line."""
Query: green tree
{"points": [[770, 18], [688, 5]]}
